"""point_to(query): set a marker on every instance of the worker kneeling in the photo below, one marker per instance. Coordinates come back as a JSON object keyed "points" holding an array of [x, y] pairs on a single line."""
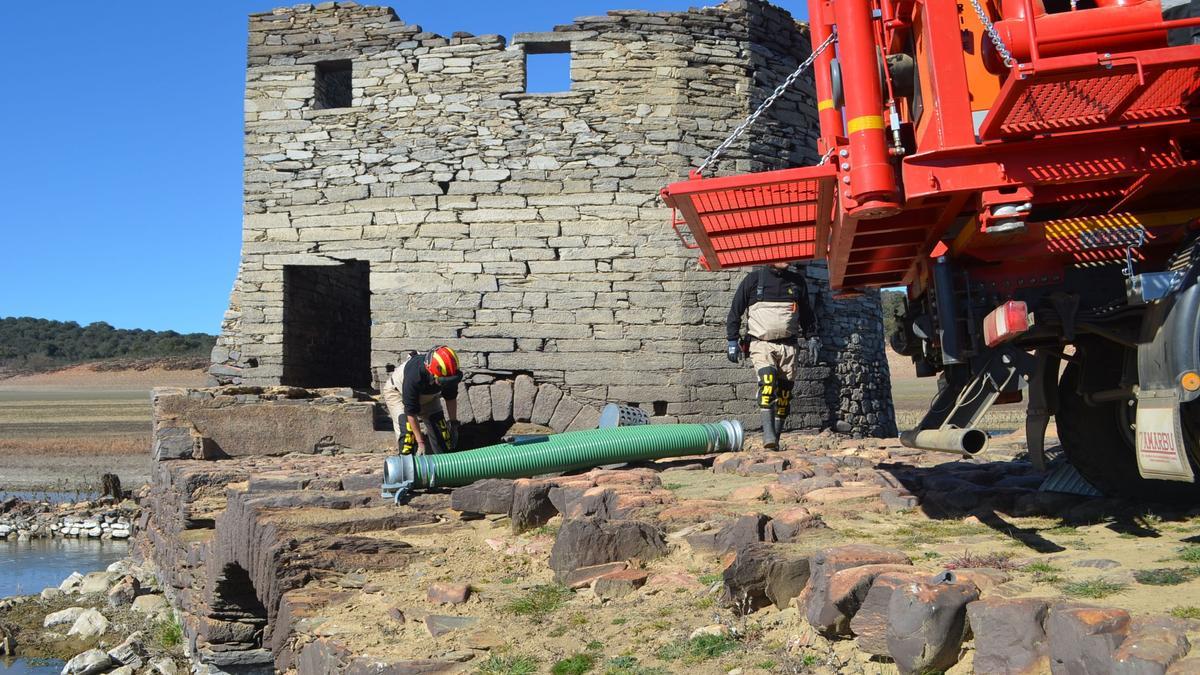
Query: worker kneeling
{"points": [[775, 302], [413, 394]]}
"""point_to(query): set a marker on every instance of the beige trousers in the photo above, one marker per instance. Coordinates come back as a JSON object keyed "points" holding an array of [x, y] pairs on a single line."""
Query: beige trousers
{"points": [[764, 354]]}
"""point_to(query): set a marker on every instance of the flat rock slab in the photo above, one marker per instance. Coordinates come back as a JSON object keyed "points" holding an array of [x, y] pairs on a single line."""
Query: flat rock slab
{"points": [[439, 625], [619, 584], [448, 593], [584, 542]]}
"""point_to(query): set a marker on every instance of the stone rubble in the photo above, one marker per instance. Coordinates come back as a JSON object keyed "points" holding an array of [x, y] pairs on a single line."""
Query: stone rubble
{"points": [[22, 520]]}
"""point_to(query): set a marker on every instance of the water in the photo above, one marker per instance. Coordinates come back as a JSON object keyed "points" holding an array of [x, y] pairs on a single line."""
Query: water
{"points": [[31, 666], [26, 567], [54, 497]]}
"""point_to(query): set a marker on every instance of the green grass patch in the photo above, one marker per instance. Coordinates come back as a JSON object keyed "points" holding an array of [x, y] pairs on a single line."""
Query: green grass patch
{"points": [[1001, 560], [540, 601], [710, 579], [935, 531], [1190, 554], [1165, 576], [1043, 572], [628, 665], [699, 649], [169, 633], [1186, 612], [575, 665], [1092, 588], [509, 665]]}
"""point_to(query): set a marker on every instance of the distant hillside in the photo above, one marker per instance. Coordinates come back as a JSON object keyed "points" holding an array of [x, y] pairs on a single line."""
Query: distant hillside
{"points": [[31, 345]]}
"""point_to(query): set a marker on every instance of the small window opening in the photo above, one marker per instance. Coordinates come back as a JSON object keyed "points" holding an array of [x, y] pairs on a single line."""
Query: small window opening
{"points": [[547, 67], [334, 85]]}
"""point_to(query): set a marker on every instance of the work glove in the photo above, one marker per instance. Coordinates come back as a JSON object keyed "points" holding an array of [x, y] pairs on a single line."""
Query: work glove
{"points": [[454, 424], [733, 351]]}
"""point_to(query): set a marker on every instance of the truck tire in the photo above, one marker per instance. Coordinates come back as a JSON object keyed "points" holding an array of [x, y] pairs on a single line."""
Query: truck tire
{"points": [[1099, 442]]}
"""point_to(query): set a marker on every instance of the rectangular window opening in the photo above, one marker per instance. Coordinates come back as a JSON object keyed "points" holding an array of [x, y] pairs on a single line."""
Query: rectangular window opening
{"points": [[334, 86], [547, 67], [327, 325]]}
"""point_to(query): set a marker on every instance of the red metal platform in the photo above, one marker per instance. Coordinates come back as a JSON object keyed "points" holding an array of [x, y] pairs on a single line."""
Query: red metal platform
{"points": [[1071, 93], [758, 218]]}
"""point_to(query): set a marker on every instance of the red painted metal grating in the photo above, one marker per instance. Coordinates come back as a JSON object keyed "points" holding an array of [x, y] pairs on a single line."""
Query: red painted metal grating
{"points": [[1069, 94], [756, 218]]}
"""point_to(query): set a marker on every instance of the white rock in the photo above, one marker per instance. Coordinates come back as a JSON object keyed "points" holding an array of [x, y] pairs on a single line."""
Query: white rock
{"points": [[97, 582], [95, 532], [71, 583], [68, 615], [164, 666], [120, 534], [50, 593], [88, 663], [90, 624]]}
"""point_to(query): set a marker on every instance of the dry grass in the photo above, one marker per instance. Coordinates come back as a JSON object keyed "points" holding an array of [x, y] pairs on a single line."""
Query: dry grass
{"points": [[92, 446]]}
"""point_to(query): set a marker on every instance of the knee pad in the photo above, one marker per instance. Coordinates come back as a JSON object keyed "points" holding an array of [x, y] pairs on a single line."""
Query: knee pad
{"points": [[783, 403], [768, 386]]}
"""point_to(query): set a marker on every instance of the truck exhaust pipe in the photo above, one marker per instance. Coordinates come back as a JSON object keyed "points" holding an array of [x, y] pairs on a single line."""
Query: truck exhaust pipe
{"points": [[958, 441]]}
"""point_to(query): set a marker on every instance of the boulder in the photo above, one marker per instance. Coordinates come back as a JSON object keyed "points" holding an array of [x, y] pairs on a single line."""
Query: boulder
{"points": [[151, 605], [531, 506], [619, 584], [848, 588], [789, 524], [823, 564], [123, 593], [491, 495], [761, 575], [927, 623], [1152, 646], [732, 536], [584, 542], [131, 652], [1083, 639], [71, 584], [1010, 635], [65, 616], [164, 666], [89, 624], [869, 623], [448, 593], [91, 662], [97, 582]]}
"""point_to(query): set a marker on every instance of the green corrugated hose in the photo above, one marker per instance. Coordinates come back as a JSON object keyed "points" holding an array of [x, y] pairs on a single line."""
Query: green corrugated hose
{"points": [[560, 452]]}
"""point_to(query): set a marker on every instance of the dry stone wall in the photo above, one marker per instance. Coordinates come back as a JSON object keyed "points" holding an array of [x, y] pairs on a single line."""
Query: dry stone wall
{"points": [[523, 229]]}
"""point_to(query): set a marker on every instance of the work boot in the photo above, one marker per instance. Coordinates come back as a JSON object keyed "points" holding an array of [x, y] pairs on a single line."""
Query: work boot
{"points": [[770, 438]]}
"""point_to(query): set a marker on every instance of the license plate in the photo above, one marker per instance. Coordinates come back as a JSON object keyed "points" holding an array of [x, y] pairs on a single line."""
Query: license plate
{"points": [[1161, 452]]}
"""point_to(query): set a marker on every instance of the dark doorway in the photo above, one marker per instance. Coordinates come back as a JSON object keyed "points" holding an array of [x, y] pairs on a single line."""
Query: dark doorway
{"points": [[327, 325]]}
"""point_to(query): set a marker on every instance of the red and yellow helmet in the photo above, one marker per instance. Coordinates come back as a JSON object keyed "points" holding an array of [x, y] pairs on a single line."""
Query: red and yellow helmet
{"points": [[442, 364]]}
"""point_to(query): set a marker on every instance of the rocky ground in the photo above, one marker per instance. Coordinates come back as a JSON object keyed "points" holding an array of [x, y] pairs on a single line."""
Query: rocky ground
{"points": [[22, 520], [115, 621], [833, 555]]}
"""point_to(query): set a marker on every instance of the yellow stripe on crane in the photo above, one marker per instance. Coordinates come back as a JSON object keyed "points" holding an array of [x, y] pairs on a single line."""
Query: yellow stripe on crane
{"points": [[826, 104], [864, 123]]}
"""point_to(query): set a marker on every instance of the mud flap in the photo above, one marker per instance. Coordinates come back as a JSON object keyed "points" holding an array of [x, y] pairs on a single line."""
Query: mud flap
{"points": [[1161, 453]]}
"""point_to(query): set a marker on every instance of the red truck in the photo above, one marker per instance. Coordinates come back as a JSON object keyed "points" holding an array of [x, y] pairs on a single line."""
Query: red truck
{"points": [[1029, 172]]}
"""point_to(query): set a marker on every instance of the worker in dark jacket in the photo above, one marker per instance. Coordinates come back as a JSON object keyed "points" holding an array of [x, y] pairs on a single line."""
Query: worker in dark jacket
{"points": [[778, 314], [414, 393]]}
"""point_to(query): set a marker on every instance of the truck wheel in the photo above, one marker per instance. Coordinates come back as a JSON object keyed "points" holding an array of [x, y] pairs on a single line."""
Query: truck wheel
{"points": [[1099, 441]]}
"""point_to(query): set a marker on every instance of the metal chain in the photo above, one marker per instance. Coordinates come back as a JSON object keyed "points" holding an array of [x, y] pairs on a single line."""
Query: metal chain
{"points": [[993, 35], [749, 121], [826, 156]]}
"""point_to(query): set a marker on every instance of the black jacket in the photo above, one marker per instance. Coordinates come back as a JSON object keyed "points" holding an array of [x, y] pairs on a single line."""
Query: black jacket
{"points": [[418, 382], [777, 285]]}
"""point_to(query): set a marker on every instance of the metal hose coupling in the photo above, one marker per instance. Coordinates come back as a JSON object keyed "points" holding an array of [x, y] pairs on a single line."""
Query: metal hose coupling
{"points": [[572, 451]]}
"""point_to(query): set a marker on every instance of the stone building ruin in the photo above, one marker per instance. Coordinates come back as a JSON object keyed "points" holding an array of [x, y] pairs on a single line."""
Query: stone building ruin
{"points": [[403, 189]]}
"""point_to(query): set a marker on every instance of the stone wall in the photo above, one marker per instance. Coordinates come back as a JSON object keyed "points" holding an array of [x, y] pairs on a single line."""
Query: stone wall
{"points": [[525, 229]]}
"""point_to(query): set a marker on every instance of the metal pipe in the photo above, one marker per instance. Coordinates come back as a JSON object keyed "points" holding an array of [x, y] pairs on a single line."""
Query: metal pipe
{"points": [[947, 311], [960, 441]]}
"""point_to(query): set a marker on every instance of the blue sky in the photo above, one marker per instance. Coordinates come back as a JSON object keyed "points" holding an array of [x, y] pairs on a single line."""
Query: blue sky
{"points": [[120, 169]]}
